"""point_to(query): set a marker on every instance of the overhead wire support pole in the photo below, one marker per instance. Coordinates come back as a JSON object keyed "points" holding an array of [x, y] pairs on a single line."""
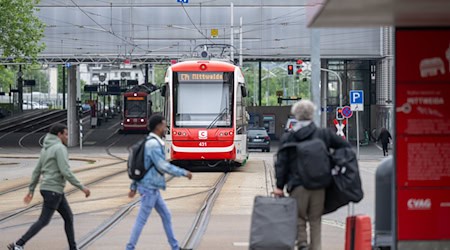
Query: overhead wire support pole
{"points": [[232, 31], [240, 43]]}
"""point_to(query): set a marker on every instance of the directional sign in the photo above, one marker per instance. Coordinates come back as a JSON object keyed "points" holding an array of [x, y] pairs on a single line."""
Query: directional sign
{"points": [[347, 112], [182, 1], [357, 100]]}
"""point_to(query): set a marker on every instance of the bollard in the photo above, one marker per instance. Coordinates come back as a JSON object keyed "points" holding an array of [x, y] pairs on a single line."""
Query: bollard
{"points": [[383, 204]]}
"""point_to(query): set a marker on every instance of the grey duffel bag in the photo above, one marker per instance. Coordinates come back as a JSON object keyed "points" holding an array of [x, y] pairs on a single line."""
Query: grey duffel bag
{"points": [[274, 223]]}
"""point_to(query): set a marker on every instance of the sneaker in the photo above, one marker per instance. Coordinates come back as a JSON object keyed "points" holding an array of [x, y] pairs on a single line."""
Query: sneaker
{"points": [[14, 246]]}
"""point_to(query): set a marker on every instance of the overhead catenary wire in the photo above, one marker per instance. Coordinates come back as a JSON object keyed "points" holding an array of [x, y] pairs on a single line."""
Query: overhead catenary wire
{"points": [[192, 22]]}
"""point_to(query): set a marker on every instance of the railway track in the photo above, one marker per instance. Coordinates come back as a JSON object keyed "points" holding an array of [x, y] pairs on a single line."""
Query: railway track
{"points": [[19, 187], [90, 183], [31, 122], [194, 234], [108, 224], [198, 228]]}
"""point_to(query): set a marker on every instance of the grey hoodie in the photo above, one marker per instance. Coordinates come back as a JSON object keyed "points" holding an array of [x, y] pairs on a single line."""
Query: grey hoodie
{"points": [[53, 165]]}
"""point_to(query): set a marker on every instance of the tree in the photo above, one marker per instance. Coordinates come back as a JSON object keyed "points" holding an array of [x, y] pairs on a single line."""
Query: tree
{"points": [[20, 29], [7, 78]]}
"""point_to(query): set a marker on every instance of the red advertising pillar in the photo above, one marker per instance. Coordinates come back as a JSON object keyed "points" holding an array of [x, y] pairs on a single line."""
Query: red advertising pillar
{"points": [[423, 138]]}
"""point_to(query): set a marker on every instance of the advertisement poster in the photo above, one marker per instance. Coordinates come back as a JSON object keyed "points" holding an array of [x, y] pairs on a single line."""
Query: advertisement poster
{"points": [[423, 134]]}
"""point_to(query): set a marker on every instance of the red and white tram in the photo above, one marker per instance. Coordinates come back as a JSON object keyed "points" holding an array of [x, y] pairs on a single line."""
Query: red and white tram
{"points": [[205, 113]]}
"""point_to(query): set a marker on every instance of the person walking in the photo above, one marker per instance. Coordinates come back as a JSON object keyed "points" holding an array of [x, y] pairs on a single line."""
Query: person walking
{"points": [[152, 182], [384, 138], [310, 203], [53, 164]]}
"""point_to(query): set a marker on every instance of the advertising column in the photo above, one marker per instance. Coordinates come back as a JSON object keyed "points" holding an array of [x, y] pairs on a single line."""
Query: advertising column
{"points": [[423, 138]]}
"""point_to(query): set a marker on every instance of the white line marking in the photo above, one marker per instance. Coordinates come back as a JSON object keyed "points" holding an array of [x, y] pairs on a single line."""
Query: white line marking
{"points": [[241, 244]]}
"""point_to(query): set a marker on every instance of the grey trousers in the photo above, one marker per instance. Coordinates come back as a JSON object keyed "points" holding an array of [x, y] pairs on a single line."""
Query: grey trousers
{"points": [[310, 205]]}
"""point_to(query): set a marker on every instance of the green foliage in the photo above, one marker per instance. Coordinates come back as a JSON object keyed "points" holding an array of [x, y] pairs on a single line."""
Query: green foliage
{"points": [[30, 72], [20, 29], [7, 78], [274, 80]]}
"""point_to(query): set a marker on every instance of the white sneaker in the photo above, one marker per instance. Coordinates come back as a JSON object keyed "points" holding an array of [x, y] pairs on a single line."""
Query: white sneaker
{"points": [[13, 246]]}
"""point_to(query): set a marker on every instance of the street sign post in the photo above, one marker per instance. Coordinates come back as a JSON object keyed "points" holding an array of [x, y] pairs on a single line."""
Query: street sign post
{"points": [[357, 104], [347, 113], [357, 100]]}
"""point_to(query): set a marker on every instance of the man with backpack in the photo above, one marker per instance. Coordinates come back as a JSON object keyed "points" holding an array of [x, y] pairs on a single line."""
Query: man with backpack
{"points": [[152, 181], [303, 166]]}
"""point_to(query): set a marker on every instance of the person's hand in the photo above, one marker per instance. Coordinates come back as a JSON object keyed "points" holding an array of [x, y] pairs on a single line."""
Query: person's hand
{"points": [[87, 192], [278, 192], [27, 199], [189, 175], [131, 194]]}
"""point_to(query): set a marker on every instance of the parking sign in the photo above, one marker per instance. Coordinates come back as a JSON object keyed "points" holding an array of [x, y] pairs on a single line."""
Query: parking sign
{"points": [[357, 100]]}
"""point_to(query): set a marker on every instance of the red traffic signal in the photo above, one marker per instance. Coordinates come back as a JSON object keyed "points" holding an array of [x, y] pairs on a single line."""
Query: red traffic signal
{"points": [[290, 69], [339, 115]]}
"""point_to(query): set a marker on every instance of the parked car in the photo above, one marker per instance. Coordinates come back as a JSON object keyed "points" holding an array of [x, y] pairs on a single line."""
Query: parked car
{"points": [[290, 123], [258, 139], [33, 105]]}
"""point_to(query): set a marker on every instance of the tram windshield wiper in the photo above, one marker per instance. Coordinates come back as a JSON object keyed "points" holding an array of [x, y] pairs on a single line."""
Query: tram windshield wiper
{"points": [[217, 118]]}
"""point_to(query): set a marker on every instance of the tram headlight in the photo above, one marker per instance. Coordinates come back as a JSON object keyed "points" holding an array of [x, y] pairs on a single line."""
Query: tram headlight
{"points": [[142, 120], [128, 120]]}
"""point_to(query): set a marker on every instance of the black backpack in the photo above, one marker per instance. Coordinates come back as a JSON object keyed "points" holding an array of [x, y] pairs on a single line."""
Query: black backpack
{"points": [[136, 163], [311, 162]]}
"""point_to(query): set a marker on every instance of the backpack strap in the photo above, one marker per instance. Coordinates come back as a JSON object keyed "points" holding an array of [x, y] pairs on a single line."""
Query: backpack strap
{"points": [[153, 164]]}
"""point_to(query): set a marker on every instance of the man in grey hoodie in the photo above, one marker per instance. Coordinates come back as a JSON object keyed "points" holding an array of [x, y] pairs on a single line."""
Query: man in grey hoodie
{"points": [[53, 164]]}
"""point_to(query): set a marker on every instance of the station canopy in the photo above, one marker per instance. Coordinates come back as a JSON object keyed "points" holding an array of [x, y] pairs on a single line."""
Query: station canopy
{"points": [[95, 31]]}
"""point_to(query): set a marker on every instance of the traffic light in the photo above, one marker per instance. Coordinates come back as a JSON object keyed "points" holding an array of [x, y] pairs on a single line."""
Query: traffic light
{"points": [[290, 69], [339, 115]]}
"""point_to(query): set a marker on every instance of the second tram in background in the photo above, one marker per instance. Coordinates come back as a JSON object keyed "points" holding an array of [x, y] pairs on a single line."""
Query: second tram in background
{"points": [[205, 113], [137, 109]]}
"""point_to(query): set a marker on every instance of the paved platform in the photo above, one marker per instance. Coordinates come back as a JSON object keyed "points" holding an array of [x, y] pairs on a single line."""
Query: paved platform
{"points": [[229, 225]]}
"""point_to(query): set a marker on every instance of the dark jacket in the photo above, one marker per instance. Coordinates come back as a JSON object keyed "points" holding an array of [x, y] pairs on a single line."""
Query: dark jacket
{"points": [[286, 174], [384, 136]]}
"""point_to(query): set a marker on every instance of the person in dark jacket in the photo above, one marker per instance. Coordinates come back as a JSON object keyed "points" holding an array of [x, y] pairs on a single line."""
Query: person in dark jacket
{"points": [[384, 138], [310, 203]]}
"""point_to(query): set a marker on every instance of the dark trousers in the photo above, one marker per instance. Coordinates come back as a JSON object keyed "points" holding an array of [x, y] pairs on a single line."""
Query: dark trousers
{"points": [[385, 148], [52, 202]]}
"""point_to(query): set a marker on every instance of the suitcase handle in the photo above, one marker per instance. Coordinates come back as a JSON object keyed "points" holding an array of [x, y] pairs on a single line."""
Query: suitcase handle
{"points": [[351, 209]]}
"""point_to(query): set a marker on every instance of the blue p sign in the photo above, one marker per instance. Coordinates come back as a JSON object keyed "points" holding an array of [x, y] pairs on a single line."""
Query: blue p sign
{"points": [[356, 97]]}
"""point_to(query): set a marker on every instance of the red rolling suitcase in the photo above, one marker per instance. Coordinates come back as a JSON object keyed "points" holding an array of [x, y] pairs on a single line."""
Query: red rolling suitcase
{"points": [[358, 232]]}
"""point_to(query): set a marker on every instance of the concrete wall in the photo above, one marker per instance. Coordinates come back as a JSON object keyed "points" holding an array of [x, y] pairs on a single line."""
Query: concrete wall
{"points": [[281, 115]]}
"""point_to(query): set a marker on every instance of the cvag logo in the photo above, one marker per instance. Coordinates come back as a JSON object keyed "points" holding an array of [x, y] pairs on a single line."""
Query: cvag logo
{"points": [[419, 204], [202, 134]]}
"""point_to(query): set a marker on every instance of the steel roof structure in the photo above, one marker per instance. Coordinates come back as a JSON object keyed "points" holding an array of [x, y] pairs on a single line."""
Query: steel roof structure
{"points": [[107, 31]]}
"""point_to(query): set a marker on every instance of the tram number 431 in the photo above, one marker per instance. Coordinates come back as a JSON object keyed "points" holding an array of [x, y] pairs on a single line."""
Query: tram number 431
{"points": [[203, 144]]}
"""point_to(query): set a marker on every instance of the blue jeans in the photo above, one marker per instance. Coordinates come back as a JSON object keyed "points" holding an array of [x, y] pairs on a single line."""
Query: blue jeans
{"points": [[152, 198]]}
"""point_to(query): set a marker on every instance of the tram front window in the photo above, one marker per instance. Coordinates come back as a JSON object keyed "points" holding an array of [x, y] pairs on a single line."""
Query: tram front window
{"points": [[203, 103], [135, 109]]}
